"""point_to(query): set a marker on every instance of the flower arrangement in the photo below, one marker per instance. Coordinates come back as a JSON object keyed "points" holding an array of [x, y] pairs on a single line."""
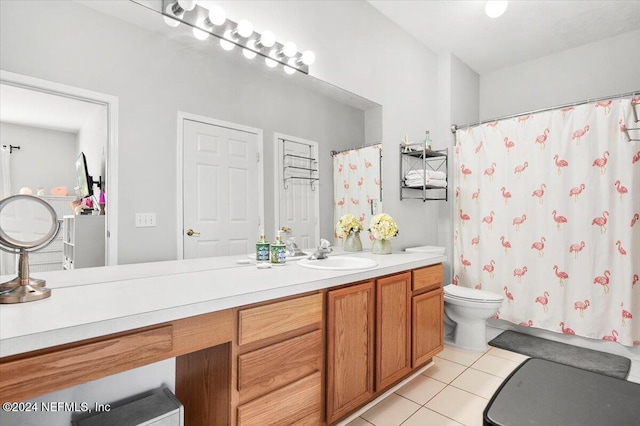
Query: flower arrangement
{"points": [[383, 227], [347, 224]]}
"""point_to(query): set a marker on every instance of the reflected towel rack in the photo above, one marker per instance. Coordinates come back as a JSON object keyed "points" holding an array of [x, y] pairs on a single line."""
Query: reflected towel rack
{"points": [[301, 168], [11, 147]]}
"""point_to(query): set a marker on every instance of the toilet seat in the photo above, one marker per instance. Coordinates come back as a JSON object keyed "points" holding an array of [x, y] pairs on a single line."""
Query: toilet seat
{"points": [[454, 292]]}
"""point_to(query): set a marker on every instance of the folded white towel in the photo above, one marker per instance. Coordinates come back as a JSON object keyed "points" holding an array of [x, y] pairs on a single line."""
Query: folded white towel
{"points": [[429, 182], [430, 174]]}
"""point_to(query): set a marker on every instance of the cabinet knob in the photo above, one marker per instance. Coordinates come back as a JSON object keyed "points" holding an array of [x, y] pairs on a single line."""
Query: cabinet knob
{"points": [[191, 233]]}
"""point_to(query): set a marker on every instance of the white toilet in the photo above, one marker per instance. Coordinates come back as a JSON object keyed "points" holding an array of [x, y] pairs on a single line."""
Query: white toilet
{"points": [[465, 313]]}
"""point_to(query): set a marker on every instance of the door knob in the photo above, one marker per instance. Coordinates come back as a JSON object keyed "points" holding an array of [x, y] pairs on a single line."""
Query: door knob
{"points": [[191, 233]]}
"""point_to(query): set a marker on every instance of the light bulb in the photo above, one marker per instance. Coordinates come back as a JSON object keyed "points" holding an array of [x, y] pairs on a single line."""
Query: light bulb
{"points": [[289, 49], [200, 34], [267, 39], [226, 44], [217, 16], [244, 28], [495, 8], [187, 4], [250, 54], [270, 61], [293, 62], [170, 21], [308, 57], [289, 70]]}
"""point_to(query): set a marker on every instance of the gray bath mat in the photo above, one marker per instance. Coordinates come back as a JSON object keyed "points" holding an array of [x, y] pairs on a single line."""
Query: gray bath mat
{"points": [[587, 359]]}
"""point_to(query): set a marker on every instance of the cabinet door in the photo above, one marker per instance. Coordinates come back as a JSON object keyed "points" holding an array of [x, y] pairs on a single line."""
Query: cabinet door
{"points": [[350, 336], [393, 329], [427, 324]]}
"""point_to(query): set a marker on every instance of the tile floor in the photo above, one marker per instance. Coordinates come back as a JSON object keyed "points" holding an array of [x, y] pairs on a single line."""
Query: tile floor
{"points": [[452, 392]]}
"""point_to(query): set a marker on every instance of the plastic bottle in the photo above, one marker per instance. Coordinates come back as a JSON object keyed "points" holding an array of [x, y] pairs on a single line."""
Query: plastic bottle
{"points": [[278, 251], [262, 248]]}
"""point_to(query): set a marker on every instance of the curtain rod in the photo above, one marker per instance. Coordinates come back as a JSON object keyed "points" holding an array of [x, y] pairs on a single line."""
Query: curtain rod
{"points": [[334, 153], [455, 127]]}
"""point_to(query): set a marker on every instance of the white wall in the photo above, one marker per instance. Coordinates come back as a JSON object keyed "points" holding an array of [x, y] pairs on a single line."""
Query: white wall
{"points": [[605, 68], [38, 148], [92, 140], [458, 98]]}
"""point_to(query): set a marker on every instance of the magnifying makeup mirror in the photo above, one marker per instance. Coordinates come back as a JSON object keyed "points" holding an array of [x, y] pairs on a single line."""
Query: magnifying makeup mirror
{"points": [[27, 223]]}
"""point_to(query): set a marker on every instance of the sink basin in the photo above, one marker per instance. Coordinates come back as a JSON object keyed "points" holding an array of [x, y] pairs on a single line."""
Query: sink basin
{"points": [[339, 263]]}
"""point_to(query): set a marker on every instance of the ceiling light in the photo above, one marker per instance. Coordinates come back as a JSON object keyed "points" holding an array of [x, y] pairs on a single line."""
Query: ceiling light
{"points": [[217, 16], [187, 4], [495, 8], [308, 57], [244, 29], [267, 39], [289, 49]]}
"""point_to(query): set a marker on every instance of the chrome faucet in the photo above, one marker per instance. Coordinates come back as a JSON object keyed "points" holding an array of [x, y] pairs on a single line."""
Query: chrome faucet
{"points": [[322, 251]]}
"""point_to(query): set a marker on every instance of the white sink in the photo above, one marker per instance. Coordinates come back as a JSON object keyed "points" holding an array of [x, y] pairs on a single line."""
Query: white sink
{"points": [[339, 263]]}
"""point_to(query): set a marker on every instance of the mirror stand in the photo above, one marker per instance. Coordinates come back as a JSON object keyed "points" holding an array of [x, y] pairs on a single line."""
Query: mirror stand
{"points": [[23, 288]]}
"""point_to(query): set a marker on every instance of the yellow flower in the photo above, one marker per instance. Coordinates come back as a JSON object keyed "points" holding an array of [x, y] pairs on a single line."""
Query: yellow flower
{"points": [[347, 224], [383, 227]]}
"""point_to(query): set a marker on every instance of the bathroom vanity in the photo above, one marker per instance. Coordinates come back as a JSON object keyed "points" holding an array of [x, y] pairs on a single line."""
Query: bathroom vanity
{"points": [[277, 346]]}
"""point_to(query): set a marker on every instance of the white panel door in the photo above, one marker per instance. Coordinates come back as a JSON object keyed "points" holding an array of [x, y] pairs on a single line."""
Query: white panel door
{"points": [[220, 190], [298, 198]]}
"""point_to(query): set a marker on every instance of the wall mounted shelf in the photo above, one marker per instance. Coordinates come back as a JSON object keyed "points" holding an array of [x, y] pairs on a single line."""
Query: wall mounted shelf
{"points": [[420, 159]]}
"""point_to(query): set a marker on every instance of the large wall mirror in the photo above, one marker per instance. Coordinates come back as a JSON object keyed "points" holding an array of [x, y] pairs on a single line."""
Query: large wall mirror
{"points": [[125, 51]]}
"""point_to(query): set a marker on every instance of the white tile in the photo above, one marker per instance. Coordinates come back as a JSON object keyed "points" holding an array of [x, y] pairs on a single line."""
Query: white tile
{"points": [[391, 411], [421, 389], [513, 356], [478, 383], [493, 365], [426, 417], [459, 405], [443, 370], [460, 356], [359, 422]]}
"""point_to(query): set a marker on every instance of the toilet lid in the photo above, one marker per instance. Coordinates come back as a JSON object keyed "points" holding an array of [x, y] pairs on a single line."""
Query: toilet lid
{"points": [[466, 293]]}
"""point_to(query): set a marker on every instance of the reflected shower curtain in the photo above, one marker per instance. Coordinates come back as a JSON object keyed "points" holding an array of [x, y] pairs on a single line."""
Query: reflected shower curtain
{"points": [[547, 214], [7, 260], [356, 184]]}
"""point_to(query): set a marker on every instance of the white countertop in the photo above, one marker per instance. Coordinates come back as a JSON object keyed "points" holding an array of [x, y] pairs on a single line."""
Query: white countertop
{"points": [[92, 302]]}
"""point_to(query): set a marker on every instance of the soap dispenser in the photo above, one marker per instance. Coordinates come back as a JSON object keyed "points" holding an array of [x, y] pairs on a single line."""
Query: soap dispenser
{"points": [[262, 248], [278, 251]]}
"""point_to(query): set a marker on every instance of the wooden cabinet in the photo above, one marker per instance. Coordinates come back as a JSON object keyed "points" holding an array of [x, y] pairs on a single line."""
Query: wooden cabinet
{"points": [[427, 314], [403, 313], [279, 362], [393, 329], [350, 350]]}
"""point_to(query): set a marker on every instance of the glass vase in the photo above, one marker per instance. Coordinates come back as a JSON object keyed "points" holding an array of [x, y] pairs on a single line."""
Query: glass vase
{"points": [[352, 242], [381, 247]]}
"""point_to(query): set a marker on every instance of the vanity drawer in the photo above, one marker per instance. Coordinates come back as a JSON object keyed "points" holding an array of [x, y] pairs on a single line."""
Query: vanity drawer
{"points": [[297, 403], [427, 278], [270, 320], [26, 377], [267, 369]]}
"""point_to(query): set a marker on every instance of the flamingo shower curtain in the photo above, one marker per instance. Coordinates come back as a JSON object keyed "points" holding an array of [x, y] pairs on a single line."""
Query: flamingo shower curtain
{"points": [[356, 185], [548, 212]]}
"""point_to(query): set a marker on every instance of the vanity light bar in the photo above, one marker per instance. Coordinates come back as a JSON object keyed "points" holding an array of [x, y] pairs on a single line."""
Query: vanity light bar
{"points": [[206, 22]]}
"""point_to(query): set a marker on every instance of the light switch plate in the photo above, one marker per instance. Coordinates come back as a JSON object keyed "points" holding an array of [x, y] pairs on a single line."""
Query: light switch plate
{"points": [[144, 220]]}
